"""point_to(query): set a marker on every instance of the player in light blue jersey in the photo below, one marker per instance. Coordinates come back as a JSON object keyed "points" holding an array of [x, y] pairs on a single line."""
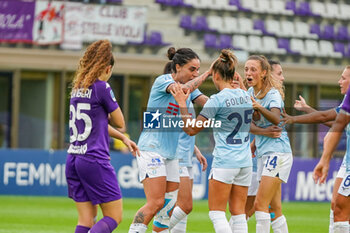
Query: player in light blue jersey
{"points": [[231, 171], [272, 131], [185, 150], [158, 166], [274, 154], [342, 202], [326, 117]]}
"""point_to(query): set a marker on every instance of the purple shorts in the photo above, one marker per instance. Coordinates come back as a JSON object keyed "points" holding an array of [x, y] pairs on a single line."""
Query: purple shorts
{"points": [[90, 179]]}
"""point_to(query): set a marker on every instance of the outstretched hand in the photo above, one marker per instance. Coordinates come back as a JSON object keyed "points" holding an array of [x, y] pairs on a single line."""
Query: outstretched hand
{"points": [[301, 104]]}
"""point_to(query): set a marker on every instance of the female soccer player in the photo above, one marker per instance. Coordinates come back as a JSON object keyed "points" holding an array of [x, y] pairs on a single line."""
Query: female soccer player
{"points": [[158, 166], [90, 176], [326, 117], [342, 201], [274, 154], [230, 175], [184, 152], [272, 131]]}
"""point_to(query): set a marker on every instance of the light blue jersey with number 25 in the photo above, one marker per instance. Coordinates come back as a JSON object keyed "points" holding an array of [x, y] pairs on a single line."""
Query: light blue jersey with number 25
{"points": [[233, 107]]}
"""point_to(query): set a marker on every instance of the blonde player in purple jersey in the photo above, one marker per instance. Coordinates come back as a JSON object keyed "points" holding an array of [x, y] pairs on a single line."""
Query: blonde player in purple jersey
{"points": [[90, 176]]}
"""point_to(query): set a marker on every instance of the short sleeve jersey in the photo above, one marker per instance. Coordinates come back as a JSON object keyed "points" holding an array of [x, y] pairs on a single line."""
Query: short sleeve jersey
{"points": [[164, 141], [233, 107], [265, 144], [88, 120]]}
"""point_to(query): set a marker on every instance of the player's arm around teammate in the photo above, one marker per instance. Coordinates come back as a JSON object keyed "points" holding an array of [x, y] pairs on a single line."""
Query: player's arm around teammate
{"points": [[231, 170]]}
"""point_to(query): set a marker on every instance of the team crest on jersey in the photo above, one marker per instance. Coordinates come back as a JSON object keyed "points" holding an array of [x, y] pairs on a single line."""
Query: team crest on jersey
{"points": [[151, 120], [112, 95]]}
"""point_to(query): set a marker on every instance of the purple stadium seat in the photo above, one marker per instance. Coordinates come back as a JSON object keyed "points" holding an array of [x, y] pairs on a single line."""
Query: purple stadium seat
{"points": [[342, 33], [328, 32], [201, 24], [175, 3], [315, 29], [339, 47], [161, 1], [291, 5], [186, 22], [284, 44], [260, 25], [155, 39], [304, 9], [225, 42], [238, 4], [210, 41]]}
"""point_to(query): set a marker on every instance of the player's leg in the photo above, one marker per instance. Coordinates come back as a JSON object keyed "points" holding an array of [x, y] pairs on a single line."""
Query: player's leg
{"points": [[338, 180], [86, 213], [252, 190], [154, 189], [238, 197], [152, 174], [342, 206], [178, 220], [278, 220], [336, 186], [267, 189], [86, 210], [219, 191], [112, 216], [161, 220]]}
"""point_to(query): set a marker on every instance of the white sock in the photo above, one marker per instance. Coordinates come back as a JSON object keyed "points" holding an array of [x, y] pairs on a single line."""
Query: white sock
{"points": [[176, 217], [279, 225], [262, 222], [162, 218], [219, 221], [137, 228], [341, 227], [163, 231], [239, 224], [331, 221], [180, 227]]}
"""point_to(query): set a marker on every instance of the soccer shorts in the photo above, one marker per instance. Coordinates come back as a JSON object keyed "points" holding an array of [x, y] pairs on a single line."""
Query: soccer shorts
{"points": [[275, 164], [254, 185], [236, 176], [186, 172], [344, 188], [90, 179], [153, 165]]}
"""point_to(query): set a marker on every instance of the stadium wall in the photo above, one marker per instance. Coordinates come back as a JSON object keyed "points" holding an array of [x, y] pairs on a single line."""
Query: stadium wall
{"points": [[42, 172]]}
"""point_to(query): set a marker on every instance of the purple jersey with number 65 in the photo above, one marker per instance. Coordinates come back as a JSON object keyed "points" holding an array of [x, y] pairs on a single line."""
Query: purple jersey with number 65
{"points": [[88, 120]]}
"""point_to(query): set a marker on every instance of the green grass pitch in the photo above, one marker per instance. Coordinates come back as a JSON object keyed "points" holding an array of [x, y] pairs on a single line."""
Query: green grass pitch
{"points": [[22, 214]]}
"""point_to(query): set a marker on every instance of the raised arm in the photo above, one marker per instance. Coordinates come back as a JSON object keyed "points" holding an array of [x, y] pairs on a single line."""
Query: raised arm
{"points": [[192, 84]]}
